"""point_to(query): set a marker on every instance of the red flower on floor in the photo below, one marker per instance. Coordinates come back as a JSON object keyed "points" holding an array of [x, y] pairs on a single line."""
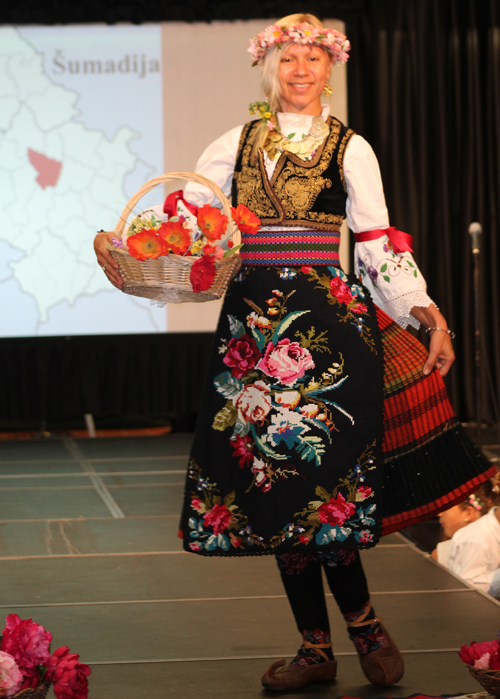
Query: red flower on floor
{"points": [[176, 236], [246, 221], [212, 223], [68, 674], [243, 450], [202, 273], [336, 511], [219, 518], [242, 355], [28, 643], [340, 290], [146, 245]]}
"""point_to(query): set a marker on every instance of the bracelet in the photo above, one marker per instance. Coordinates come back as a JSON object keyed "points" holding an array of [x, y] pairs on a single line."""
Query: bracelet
{"points": [[443, 330]]}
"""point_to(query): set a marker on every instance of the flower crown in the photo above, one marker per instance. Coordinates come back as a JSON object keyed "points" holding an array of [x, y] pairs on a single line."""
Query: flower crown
{"points": [[475, 503], [336, 43]]}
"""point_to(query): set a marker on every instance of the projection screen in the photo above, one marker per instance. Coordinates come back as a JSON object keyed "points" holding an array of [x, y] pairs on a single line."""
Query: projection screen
{"points": [[88, 113]]}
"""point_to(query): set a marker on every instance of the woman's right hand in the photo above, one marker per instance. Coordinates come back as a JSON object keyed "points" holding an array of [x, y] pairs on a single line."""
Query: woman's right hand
{"points": [[104, 259]]}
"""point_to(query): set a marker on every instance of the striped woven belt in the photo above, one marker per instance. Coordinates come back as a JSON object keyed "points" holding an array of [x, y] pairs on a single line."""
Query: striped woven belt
{"points": [[291, 247]]}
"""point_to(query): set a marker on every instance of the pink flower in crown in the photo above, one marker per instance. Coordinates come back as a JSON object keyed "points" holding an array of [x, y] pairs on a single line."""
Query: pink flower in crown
{"points": [[11, 677], [28, 643], [272, 35], [287, 361]]}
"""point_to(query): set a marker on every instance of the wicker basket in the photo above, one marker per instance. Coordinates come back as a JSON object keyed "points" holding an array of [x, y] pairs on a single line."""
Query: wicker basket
{"points": [[166, 279], [489, 679], [39, 692]]}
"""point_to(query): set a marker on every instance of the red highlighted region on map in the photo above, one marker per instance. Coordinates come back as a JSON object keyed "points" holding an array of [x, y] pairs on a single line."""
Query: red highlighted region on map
{"points": [[48, 169]]}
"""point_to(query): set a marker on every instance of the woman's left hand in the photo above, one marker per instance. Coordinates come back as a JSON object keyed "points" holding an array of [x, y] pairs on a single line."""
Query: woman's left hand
{"points": [[441, 353]]}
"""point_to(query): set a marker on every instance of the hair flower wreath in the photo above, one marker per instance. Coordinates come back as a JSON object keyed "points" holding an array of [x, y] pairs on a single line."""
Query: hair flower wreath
{"points": [[275, 36]]}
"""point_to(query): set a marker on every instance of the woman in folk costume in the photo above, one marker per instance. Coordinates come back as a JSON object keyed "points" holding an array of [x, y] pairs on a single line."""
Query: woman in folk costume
{"points": [[323, 423]]}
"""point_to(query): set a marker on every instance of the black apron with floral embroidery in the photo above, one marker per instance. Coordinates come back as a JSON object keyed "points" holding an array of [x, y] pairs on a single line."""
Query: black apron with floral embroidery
{"points": [[287, 450]]}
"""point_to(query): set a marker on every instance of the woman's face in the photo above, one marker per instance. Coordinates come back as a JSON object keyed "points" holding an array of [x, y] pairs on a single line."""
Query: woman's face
{"points": [[303, 73], [456, 517]]}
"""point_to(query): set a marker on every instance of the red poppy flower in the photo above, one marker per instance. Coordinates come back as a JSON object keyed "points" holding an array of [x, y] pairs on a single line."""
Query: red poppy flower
{"points": [[176, 236], [246, 221], [212, 222], [146, 245], [202, 273]]}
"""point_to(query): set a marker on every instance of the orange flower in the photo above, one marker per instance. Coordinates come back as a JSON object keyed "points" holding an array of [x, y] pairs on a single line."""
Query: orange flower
{"points": [[146, 245], [212, 222], [245, 220], [202, 273], [214, 250], [176, 236]]}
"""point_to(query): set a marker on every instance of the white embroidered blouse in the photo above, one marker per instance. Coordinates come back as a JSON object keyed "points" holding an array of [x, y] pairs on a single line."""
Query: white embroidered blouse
{"points": [[394, 280]]}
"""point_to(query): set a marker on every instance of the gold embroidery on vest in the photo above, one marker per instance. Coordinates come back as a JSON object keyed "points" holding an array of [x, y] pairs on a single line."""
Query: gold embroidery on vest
{"points": [[340, 155], [297, 186], [249, 181]]}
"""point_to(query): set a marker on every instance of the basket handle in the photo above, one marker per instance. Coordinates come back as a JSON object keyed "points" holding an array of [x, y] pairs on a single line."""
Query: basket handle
{"points": [[167, 177]]}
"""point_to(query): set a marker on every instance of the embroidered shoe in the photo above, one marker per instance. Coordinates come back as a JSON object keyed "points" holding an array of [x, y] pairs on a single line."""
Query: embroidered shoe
{"points": [[383, 666], [281, 677]]}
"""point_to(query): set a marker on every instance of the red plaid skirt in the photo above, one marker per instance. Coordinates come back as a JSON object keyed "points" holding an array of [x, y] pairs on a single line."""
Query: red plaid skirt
{"points": [[425, 449]]}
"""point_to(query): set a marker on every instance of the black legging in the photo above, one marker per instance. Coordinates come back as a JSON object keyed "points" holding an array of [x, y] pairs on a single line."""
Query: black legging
{"points": [[301, 575]]}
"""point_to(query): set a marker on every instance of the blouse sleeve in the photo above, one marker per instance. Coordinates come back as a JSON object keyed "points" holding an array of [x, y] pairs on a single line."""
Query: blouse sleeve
{"points": [[471, 560], [217, 163], [393, 279]]}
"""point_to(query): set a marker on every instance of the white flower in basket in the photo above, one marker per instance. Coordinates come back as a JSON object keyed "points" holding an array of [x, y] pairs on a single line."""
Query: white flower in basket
{"points": [[189, 256]]}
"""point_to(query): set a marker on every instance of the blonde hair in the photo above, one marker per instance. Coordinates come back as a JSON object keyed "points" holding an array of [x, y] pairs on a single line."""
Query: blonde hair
{"points": [[269, 81]]}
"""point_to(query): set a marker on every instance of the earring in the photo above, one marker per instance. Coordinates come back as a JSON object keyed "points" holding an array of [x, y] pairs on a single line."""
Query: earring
{"points": [[328, 90]]}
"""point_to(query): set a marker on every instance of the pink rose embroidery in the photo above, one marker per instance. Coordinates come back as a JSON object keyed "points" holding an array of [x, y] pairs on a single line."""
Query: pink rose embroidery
{"points": [[218, 518], [287, 361], [10, 676], [242, 355], [364, 491], [359, 308], [336, 511], [196, 504], [253, 403], [340, 290]]}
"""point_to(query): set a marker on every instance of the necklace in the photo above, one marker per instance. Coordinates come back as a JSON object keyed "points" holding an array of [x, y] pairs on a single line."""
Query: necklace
{"points": [[276, 143]]}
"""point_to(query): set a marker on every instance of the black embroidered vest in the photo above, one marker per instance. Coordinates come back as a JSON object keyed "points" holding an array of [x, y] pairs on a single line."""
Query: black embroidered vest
{"points": [[307, 193]]}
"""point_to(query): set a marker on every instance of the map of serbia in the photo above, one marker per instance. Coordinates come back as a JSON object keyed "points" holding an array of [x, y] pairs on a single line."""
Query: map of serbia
{"points": [[60, 182]]}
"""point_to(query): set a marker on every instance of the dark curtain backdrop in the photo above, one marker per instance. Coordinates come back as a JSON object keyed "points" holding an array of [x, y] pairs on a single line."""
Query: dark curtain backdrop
{"points": [[424, 90]]}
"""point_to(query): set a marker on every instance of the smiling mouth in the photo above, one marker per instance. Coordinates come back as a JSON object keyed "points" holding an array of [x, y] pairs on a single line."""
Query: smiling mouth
{"points": [[300, 85]]}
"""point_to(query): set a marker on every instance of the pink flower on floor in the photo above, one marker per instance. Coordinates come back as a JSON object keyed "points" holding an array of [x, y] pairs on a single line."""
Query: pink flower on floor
{"points": [[68, 674], [10, 676], [469, 654], [27, 642], [218, 518], [336, 511]]}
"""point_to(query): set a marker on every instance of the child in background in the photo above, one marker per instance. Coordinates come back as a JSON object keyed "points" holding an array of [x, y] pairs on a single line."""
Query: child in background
{"points": [[473, 549]]}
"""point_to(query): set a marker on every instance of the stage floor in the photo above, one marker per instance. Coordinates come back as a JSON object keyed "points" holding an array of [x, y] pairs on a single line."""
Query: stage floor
{"points": [[88, 548]]}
